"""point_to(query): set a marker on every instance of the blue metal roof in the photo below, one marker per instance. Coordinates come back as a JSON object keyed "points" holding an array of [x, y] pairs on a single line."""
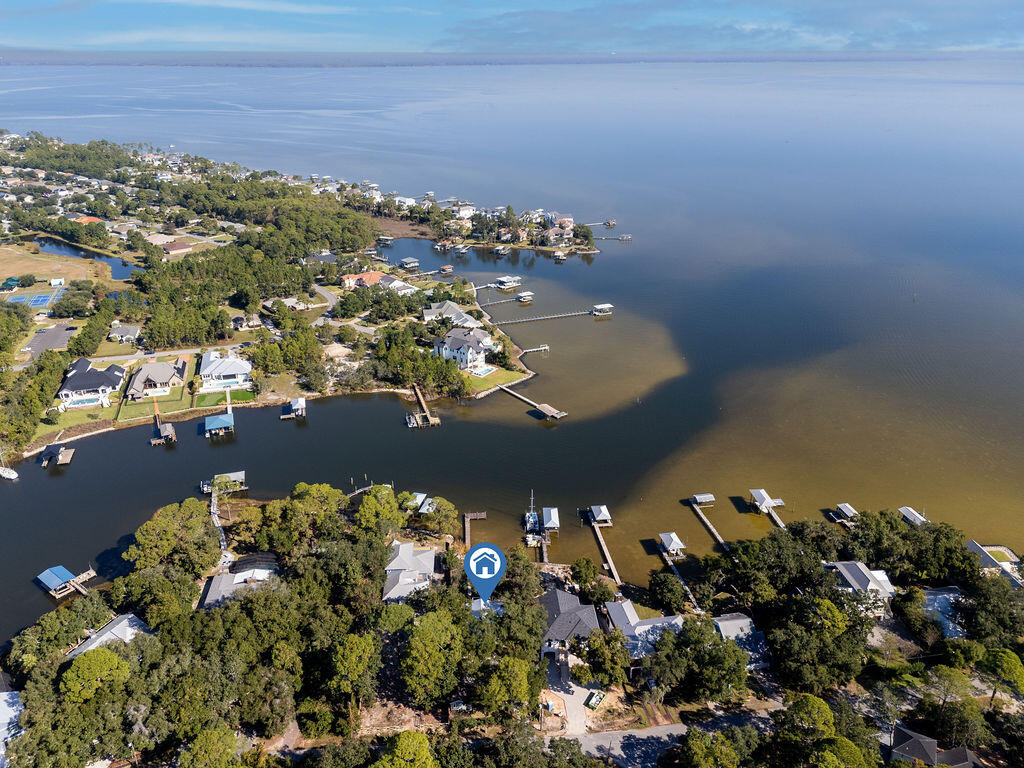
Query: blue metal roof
{"points": [[220, 421], [55, 577]]}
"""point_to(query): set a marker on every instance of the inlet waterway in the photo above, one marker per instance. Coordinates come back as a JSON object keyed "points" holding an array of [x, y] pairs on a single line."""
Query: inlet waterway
{"points": [[823, 295]]}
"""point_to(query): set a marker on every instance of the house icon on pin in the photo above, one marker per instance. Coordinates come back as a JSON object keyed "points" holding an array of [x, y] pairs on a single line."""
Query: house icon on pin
{"points": [[485, 563]]}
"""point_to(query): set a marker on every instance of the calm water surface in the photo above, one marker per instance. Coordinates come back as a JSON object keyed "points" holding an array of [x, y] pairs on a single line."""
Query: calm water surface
{"points": [[823, 296], [119, 269]]}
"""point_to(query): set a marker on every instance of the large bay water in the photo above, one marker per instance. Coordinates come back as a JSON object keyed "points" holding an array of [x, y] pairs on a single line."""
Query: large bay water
{"points": [[824, 295]]}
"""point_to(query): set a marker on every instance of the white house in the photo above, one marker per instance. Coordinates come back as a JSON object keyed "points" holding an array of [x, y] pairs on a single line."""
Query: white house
{"points": [[410, 570], [85, 386], [468, 347], [219, 371]]}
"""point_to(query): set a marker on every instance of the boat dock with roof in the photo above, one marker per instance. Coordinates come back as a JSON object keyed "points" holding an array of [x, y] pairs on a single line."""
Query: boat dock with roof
{"points": [[763, 502], [60, 582]]}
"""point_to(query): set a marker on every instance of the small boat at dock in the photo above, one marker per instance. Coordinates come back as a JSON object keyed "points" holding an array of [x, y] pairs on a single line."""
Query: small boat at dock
{"points": [[6, 472]]}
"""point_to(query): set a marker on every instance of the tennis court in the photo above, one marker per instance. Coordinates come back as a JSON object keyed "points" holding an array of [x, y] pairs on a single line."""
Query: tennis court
{"points": [[39, 299]]}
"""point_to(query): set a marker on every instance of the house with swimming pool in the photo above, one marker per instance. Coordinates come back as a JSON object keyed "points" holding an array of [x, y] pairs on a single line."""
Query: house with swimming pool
{"points": [[219, 372], [85, 386]]}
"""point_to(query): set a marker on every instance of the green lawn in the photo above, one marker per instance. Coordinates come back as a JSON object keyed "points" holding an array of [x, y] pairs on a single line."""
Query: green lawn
{"points": [[177, 400], [209, 399], [112, 348], [75, 416], [500, 376]]}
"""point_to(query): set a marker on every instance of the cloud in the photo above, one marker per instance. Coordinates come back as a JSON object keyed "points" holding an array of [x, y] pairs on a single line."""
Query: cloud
{"points": [[207, 36], [742, 25], [268, 6]]}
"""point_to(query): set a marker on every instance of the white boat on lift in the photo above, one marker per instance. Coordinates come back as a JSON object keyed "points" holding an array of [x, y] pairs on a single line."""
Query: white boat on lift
{"points": [[6, 472]]}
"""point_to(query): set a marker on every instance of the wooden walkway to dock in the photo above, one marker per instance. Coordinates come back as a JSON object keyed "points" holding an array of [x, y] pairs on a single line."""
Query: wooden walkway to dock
{"points": [[541, 348], [495, 303], [549, 411], [466, 517], [707, 524], [580, 313], [671, 564], [776, 519], [604, 552], [424, 418]]}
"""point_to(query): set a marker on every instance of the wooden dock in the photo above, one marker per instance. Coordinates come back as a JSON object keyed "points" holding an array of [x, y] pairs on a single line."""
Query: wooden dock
{"points": [[604, 551], [75, 584], [549, 411], [466, 517], [707, 524], [776, 519], [495, 303], [580, 313], [541, 348], [424, 418]]}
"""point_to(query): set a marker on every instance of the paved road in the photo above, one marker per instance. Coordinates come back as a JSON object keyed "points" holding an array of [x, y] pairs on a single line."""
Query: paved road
{"points": [[332, 298]]}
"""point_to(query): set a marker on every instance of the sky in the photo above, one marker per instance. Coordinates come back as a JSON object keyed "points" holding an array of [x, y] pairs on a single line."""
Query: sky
{"points": [[507, 26]]}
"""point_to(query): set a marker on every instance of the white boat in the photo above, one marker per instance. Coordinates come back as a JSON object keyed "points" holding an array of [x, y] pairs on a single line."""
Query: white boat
{"points": [[6, 472]]}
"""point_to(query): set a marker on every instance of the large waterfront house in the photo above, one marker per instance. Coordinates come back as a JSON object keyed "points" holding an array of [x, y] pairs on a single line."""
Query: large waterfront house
{"points": [[410, 570], [156, 379], [640, 634], [219, 371], [120, 629], [873, 587], [468, 347], [85, 386], [453, 312], [740, 628], [567, 618]]}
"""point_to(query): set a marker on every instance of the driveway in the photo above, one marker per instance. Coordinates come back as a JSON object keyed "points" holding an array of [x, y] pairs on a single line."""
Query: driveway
{"points": [[573, 695], [636, 749]]}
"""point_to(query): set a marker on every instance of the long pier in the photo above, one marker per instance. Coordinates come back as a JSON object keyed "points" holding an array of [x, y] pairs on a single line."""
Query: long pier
{"points": [[548, 410], [605, 553], [466, 517], [776, 519], [707, 524], [545, 317], [502, 301], [541, 348]]}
